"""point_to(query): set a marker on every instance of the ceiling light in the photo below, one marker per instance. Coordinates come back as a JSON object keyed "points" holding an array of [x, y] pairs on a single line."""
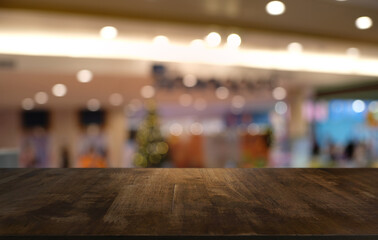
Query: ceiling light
{"points": [[295, 48], [161, 40], [116, 99], [279, 93], [358, 106], [189, 80], [27, 104], [84, 76], [93, 105], [108, 32], [147, 91], [213, 39], [59, 90], [275, 8], [280, 108], [364, 22], [222, 93], [41, 97], [233, 40]]}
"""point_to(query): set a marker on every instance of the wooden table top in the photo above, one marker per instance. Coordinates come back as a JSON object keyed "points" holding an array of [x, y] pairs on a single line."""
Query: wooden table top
{"points": [[190, 203]]}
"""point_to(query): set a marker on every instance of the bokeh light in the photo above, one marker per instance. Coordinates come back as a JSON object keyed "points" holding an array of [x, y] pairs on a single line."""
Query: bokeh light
{"points": [[41, 97], [176, 129], [279, 93], [116, 99], [27, 104], [364, 22], [147, 91], [280, 107], [275, 8], [222, 93], [196, 128], [358, 106], [84, 76], [59, 90], [233, 40], [93, 105], [213, 39], [238, 101], [189, 80], [108, 32]]}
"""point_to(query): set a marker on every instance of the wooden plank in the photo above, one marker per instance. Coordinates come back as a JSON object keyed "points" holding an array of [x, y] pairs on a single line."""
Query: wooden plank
{"points": [[203, 203]]}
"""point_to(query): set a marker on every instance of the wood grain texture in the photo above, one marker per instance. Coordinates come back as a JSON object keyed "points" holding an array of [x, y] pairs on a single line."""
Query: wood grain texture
{"points": [[191, 203]]}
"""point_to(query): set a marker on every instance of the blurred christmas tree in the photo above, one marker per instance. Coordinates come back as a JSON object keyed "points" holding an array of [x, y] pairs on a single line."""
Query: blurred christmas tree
{"points": [[152, 149]]}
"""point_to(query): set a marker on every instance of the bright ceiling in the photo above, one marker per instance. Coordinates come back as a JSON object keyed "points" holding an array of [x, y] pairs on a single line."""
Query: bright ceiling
{"points": [[48, 42]]}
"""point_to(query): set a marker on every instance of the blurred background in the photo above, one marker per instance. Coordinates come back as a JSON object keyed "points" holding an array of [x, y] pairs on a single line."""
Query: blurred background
{"points": [[200, 83]]}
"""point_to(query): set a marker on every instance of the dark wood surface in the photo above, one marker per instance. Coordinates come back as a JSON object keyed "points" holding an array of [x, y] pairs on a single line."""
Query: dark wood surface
{"points": [[191, 203]]}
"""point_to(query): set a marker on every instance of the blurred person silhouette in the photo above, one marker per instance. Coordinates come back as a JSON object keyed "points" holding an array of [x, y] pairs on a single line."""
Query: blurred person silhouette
{"points": [[28, 157], [34, 149], [65, 161], [349, 150]]}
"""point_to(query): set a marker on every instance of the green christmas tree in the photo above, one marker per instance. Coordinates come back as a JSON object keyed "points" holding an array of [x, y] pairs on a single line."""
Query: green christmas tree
{"points": [[152, 149]]}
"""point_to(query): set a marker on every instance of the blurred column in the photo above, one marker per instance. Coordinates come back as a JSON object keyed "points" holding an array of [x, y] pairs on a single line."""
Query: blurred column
{"points": [[64, 133], [299, 128], [116, 135]]}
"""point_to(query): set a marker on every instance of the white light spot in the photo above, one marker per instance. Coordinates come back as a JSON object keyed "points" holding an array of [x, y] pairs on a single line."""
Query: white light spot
{"points": [[93, 105], [189, 80], [353, 52], [358, 106], [185, 99], [295, 48], [84, 76], [222, 93], [233, 40], [116, 99], [27, 104], [41, 97], [147, 91], [176, 129], [275, 8], [238, 101], [364, 22], [59, 90], [108, 32], [161, 40], [279, 93], [196, 128], [280, 108], [197, 43], [213, 39]]}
